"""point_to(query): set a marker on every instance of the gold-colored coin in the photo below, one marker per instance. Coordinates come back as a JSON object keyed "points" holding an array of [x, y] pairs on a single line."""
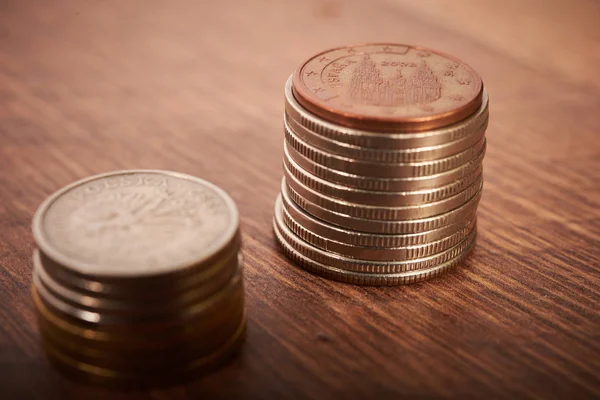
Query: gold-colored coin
{"points": [[157, 337], [94, 374]]}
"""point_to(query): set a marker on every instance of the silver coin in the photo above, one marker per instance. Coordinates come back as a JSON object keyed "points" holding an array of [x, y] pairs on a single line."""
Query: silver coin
{"points": [[385, 184], [371, 253], [373, 240], [376, 198], [135, 223], [383, 213], [428, 153], [409, 226], [366, 278], [383, 170]]}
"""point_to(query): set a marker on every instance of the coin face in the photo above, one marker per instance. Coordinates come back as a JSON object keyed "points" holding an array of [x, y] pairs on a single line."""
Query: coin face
{"points": [[135, 223], [387, 87]]}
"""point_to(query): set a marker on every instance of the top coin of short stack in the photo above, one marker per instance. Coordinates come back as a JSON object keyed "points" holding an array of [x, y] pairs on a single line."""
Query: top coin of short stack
{"points": [[137, 280], [383, 155]]}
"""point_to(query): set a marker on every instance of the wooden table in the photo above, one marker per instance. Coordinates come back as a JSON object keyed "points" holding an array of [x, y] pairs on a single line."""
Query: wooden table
{"points": [[197, 87]]}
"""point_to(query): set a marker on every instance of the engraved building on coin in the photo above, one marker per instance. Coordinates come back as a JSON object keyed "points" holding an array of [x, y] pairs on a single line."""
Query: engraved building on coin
{"points": [[137, 279], [382, 163]]}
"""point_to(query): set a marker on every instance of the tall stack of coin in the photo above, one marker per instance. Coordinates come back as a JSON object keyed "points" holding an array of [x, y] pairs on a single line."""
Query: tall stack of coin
{"points": [[138, 279], [383, 155]]}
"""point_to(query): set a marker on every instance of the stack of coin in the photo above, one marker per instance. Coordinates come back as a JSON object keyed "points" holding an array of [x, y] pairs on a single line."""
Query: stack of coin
{"points": [[137, 280], [383, 155]]}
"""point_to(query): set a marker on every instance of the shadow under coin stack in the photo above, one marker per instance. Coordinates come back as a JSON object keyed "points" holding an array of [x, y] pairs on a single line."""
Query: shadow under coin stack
{"points": [[383, 156], [138, 280]]}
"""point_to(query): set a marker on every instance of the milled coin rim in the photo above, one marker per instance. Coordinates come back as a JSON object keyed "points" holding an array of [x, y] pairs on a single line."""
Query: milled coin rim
{"points": [[380, 212], [346, 263], [373, 254], [359, 182], [384, 227], [367, 279], [91, 269], [373, 197], [382, 170], [385, 155], [361, 239]]}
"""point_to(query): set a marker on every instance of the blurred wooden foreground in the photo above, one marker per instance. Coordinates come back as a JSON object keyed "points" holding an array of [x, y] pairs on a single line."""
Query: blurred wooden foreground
{"points": [[197, 87]]}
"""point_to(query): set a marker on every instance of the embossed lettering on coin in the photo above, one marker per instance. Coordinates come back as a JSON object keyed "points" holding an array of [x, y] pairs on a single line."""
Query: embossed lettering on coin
{"points": [[408, 87], [136, 222]]}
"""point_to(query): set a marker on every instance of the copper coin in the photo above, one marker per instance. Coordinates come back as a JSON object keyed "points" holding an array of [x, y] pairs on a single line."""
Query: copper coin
{"points": [[387, 87]]}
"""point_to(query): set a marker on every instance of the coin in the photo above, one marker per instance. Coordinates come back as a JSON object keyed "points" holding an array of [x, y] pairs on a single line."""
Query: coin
{"points": [[106, 376], [384, 170], [133, 322], [128, 288], [385, 213], [427, 153], [384, 86], [362, 239], [384, 227], [384, 184], [368, 278], [138, 223], [207, 339], [376, 198], [384, 140], [155, 306], [370, 253], [152, 338], [364, 266]]}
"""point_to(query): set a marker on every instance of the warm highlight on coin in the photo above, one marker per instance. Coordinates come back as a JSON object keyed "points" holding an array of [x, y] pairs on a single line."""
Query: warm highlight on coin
{"points": [[390, 87], [383, 152], [138, 278]]}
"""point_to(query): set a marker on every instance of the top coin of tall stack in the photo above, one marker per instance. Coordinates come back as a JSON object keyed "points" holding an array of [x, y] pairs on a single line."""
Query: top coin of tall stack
{"points": [[383, 155]]}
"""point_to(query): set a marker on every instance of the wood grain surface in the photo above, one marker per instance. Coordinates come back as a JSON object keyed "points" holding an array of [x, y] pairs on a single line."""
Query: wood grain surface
{"points": [[197, 87]]}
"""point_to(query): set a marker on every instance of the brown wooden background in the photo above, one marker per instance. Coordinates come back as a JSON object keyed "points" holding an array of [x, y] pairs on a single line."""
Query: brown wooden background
{"points": [[197, 86]]}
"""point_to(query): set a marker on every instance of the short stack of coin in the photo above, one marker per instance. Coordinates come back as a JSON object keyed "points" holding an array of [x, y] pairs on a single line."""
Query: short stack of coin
{"points": [[383, 155], [138, 279]]}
